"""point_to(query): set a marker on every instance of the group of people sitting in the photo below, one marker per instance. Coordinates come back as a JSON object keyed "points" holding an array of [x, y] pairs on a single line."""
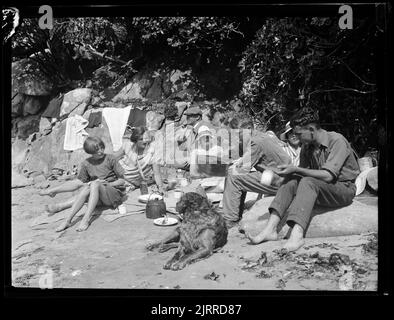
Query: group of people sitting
{"points": [[306, 165]]}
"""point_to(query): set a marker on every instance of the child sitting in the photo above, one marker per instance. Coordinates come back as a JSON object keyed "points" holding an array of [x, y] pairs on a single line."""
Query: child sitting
{"points": [[104, 183]]}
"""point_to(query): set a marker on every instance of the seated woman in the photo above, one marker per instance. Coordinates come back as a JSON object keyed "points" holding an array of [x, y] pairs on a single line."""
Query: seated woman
{"points": [[102, 177], [135, 157]]}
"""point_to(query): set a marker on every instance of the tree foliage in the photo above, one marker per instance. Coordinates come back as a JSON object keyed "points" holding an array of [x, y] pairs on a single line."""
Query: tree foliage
{"points": [[298, 62], [285, 63]]}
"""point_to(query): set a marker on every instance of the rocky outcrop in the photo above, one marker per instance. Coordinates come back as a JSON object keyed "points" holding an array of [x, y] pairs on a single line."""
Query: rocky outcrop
{"points": [[158, 85], [76, 101], [46, 152], [34, 104], [28, 79], [357, 218], [22, 128]]}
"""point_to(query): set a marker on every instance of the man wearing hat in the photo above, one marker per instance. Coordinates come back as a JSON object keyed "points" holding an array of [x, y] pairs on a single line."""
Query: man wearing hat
{"points": [[326, 175], [200, 130], [291, 144]]}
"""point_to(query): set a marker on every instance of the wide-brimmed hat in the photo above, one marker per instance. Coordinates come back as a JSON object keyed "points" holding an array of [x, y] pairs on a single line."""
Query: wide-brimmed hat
{"points": [[288, 128], [193, 111]]}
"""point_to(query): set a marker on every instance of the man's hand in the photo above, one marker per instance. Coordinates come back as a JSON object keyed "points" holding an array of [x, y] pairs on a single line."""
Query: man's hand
{"points": [[285, 169]]}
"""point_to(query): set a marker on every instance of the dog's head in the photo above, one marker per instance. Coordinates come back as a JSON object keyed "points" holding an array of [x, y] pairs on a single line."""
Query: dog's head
{"points": [[192, 201]]}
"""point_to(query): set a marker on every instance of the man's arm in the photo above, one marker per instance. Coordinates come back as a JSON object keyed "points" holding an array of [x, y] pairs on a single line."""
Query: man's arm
{"points": [[323, 175], [314, 173]]}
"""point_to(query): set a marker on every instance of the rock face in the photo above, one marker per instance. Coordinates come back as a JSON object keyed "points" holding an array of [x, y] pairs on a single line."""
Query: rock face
{"points": [[156, 85], [24, 127], [354, 219], [130, 92], [17, 105], [46, 153], [76, 101], [34, 104], [28, 79], [19, 151]]}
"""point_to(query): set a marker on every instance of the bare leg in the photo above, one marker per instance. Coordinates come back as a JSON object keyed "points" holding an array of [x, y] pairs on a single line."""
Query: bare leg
{"points": [[92, 203], [77, 205], [67, 186], [296, 239], [269, 233], [53, 208]]}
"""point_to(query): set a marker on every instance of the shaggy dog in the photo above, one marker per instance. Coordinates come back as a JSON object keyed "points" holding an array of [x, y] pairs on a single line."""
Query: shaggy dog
{"points": [[200, 233]]}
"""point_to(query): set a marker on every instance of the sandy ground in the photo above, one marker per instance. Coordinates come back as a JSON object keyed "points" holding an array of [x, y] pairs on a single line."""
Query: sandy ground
{"points": [[113, 255]]}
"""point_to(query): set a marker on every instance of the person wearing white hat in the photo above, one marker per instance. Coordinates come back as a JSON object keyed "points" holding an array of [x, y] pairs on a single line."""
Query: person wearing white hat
{"points": [[291, 144]]}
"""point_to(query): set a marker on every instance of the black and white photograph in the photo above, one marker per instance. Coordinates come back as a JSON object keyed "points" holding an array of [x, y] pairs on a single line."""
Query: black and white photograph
{"points": [[197, 149]]}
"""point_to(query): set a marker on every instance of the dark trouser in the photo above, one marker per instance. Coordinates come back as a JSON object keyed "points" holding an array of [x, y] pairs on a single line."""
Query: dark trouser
{"points": [[299, 195], [235, 190]]}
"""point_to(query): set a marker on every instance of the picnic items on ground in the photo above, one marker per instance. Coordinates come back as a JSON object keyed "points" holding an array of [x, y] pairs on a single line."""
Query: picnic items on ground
{"points": [[165, 221], [144, 197], [155, 208], [75, 134], [116, 120]]}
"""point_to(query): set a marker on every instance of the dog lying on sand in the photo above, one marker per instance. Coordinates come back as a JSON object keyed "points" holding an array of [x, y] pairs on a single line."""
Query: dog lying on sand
{"points": [[201, 232]]}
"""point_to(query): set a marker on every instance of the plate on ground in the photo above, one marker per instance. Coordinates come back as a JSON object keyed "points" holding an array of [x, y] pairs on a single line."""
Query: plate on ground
{"points": [[162, 222], [145, 197]]}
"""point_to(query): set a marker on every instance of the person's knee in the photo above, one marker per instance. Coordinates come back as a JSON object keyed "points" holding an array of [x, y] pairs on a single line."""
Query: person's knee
{"points": [[309, 182], [85, 191], [95, 185]]}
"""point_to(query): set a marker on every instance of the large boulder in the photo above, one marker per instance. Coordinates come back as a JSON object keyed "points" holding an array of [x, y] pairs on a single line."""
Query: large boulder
{"points": [[47, 153], [17, 105], [130, 92], [34, 104], [357, 218], [19, 151], [156, 92], [76, 101], [24, 127], [27, 78]]}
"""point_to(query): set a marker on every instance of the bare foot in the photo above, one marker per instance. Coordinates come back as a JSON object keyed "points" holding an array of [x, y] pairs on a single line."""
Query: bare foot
{"points": [[296, 239], [265, 235], [293, 244], [47, 193], [63, 226], [83, 225], [51, 208]]}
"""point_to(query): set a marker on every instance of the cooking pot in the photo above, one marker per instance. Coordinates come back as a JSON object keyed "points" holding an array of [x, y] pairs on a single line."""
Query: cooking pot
{"points": [[155, 208]]}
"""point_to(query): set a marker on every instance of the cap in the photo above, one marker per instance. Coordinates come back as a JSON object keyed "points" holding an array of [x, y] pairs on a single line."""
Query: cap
{"points": [[193, 111], [288, 128]]}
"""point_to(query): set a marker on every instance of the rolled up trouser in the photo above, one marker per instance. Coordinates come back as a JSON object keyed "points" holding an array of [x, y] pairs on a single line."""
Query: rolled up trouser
{"points": [[299, 196]]}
